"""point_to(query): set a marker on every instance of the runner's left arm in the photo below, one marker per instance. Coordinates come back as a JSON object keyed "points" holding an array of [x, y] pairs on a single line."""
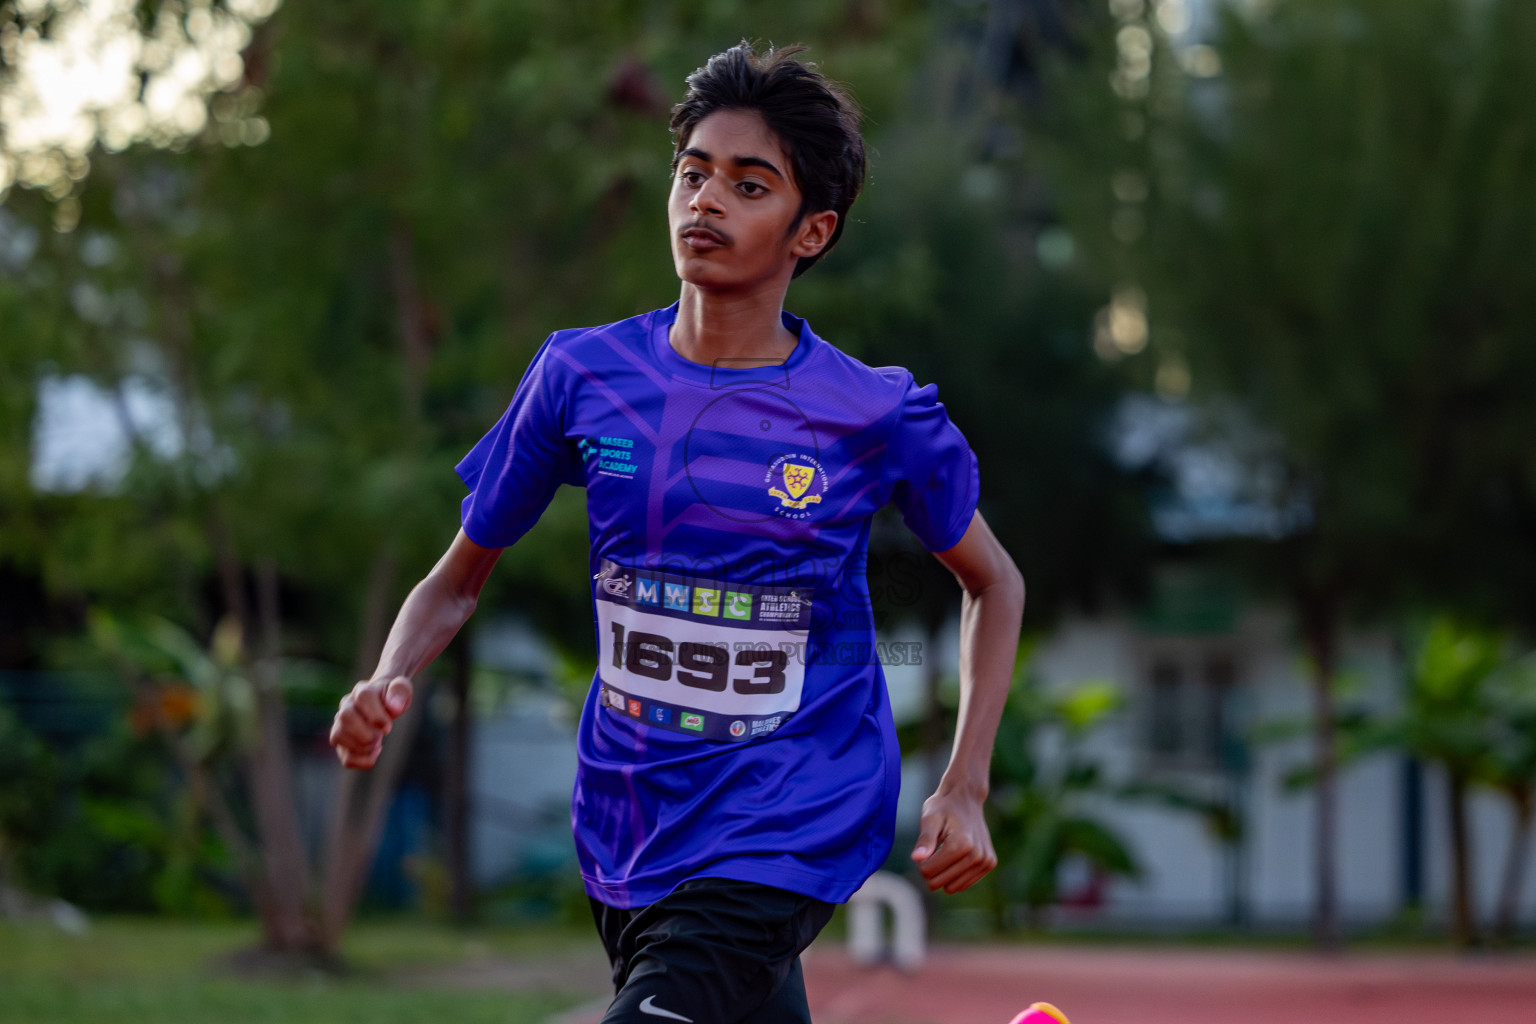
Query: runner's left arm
{"points": [[954, 848]]}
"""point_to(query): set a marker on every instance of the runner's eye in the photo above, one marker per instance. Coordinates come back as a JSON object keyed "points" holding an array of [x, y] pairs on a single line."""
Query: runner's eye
{"points": [[692, 178], [752, 188]]}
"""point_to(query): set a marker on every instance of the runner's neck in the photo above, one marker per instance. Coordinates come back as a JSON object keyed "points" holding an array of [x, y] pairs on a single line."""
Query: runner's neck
{"points": [[737, 331]]}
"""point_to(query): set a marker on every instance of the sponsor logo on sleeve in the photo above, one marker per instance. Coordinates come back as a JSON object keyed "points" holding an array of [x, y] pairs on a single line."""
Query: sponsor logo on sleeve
{"points": [[694, 722], [675, 596], [737, 606]]}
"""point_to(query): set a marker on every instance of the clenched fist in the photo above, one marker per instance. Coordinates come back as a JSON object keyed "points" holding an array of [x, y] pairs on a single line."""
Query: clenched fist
{"points": [[954, 849], [365, 717]]}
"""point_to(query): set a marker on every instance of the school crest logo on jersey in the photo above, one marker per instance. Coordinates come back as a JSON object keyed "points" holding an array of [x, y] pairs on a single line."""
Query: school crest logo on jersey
{"points": [[798, 481]]}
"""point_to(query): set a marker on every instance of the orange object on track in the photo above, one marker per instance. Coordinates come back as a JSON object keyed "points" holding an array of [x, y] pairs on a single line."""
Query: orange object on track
{"points": [[1041, 1013]]}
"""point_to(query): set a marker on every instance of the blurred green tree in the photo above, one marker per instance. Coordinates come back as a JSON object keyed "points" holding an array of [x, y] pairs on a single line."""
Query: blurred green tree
{"points": [[1469, 710], [1319, 207], [1040, 808], [93, 820], [1445, 721], [1510, 768]]}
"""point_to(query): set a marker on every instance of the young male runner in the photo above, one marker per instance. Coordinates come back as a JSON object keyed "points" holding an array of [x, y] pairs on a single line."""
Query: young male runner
{"points": [[738, 764]]}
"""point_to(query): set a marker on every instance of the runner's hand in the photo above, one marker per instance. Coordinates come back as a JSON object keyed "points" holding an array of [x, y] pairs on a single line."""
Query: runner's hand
{"points": [[954, 848], [365, 717]]}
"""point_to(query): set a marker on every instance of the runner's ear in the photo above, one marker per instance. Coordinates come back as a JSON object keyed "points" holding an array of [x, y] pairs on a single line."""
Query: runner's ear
{"points": [[814, 233]]}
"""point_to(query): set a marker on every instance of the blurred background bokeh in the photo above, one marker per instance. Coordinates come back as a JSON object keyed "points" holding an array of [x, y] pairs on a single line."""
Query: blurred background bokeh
{"points": [[1231, 297]]}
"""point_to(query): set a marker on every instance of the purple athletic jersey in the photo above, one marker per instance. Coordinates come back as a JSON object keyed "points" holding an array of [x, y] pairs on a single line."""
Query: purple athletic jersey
{"points": [[738, 725]]}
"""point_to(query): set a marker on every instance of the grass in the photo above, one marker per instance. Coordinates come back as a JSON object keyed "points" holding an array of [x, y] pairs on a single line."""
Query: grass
{"points": [[135, 971]]}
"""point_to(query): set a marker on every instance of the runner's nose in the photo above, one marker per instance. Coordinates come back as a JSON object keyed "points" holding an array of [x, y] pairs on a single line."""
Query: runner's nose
{"points": [[707, 199]]}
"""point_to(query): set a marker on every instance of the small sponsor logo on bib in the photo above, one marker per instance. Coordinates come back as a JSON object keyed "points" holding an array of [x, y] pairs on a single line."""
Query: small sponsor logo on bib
{"points": [[738, 728], [634, 708], [780, 607], [694, 722], [675, 596]]}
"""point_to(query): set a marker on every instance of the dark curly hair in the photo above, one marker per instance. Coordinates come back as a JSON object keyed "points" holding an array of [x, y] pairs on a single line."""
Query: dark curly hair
{"points": [[814, 119]]}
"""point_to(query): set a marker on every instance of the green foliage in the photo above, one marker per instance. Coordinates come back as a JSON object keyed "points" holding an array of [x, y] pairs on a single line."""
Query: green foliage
{"points": [[1469, 710], [1329, 232], [1040, 807], [1446, 717], [99, 823], [1468, 707], [1510, 693], [32, 780], [219, 715]]}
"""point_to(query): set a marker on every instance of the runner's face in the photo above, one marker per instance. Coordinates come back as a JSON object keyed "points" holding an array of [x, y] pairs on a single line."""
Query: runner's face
{"points": [[733, 205]]}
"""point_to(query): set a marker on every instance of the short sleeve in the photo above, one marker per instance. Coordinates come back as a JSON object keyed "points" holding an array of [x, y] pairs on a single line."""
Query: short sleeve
{"points": [[514, 470], [931, 469]]}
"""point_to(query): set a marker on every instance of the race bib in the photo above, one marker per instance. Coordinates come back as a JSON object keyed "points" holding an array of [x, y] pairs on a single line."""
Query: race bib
{"points": [[719, 660]]}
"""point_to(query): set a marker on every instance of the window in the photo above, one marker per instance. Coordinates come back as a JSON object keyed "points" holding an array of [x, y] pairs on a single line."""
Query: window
{"points": [[1190, 714]]}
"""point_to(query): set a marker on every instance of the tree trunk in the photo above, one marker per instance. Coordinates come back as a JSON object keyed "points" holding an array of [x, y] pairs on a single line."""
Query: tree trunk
{"points": [[411, 315], [1319, 615], [1463, 913], [378, 600], [285, 866], [1508, 922], [362, 797]]}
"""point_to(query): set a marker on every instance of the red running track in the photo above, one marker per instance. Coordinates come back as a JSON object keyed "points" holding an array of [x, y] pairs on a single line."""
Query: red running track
{"points": [[989, 984]]}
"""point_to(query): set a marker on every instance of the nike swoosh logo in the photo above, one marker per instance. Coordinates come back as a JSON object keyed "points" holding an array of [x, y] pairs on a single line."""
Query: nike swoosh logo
{"points": [[648, 1005]]}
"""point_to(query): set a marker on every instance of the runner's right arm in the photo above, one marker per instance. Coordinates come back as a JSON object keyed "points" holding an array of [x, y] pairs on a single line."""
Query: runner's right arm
{"points": [[430, 617]]}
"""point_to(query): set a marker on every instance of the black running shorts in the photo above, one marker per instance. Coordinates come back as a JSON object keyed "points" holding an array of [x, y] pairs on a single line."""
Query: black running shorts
{"points": [[712, 951]]}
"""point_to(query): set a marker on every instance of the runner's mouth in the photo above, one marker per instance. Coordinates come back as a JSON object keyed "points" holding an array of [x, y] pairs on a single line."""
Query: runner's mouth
{"points": [[702, 238]]}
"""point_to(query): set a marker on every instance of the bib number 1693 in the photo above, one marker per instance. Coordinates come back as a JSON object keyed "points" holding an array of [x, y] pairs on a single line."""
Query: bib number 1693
{"points": [[702, 666]]}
